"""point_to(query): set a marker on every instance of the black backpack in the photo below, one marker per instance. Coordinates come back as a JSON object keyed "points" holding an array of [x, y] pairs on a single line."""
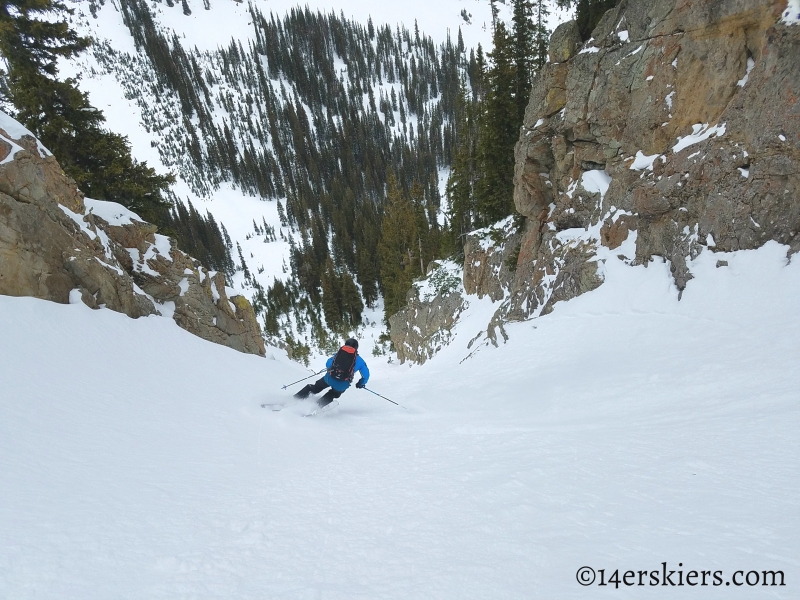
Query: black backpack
{"points": [[344, 363]]}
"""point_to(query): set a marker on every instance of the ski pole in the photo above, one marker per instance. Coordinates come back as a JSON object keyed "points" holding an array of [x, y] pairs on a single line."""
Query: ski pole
{"points": [[304, 378], [385, 398]]}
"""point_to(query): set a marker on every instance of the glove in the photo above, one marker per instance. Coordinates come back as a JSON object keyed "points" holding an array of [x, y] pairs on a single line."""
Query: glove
{"points": [[360, 384]]}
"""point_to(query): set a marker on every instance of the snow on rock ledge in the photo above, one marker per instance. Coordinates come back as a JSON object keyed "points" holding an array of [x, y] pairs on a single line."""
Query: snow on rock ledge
{"points": [[52, 248]]}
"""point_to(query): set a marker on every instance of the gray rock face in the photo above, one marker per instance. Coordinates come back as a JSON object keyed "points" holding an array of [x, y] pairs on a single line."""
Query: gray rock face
{"points": [[564, 42], [658, 72], [489, 260], [50, 247], [433, 306], [680, 121]]}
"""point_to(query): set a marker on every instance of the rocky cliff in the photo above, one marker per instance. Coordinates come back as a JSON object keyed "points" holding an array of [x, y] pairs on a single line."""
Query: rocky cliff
{"points": [[675, 130], [58, 246]]}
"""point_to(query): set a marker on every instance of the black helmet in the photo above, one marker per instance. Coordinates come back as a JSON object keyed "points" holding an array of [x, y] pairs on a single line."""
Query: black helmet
{"points": [[352, 343]]}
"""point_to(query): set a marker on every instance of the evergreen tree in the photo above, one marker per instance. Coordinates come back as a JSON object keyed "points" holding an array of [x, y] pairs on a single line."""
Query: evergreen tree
{"points": [[506, 86], [427, 242], [461, 185], [541, 35], [243, 264], [398, 248], [32, 40], [33, 37], [341, 302], [101, 164], [331, 297], [522, 50], [498, 134], [200, 237]]}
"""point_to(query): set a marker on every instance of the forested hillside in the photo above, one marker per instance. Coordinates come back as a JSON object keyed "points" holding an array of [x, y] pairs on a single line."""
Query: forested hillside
{"points": [[348, 130], [315, 113]]}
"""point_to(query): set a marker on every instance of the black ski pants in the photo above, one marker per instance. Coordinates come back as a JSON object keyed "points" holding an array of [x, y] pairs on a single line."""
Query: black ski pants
{"points": [[316, 388]]}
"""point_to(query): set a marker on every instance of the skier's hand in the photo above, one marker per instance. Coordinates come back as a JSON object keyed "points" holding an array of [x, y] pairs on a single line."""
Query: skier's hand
{"points": [[360, 384]]}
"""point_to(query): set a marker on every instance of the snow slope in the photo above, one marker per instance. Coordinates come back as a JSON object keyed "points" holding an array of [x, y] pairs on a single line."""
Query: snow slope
{"points": [[213, 28], [625, 429], [208, 29]]}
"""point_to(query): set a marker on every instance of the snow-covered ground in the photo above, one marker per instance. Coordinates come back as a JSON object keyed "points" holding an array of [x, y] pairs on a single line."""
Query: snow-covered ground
{"points": [[624, 430]]}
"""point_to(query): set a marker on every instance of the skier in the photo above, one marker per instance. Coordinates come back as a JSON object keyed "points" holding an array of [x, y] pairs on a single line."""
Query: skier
{"points": [[341, 368]]}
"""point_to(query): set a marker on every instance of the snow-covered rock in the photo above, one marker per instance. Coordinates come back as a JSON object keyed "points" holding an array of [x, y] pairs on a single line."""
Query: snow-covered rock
{"points": [[433, 307], [52, 248]]}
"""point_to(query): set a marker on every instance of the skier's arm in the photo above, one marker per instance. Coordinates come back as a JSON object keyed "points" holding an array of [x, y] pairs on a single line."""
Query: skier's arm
{"points": [[364, 371], [329, 363]]}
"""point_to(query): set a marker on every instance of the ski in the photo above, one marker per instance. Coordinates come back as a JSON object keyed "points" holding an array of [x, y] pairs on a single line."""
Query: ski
{"points": [[323, 410]]}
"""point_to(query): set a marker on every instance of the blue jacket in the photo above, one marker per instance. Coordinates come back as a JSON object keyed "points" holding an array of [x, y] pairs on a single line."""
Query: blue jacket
{"points": [[340, 386]]}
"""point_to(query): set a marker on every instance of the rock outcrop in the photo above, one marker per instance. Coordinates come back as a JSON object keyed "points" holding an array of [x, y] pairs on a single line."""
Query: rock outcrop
{"points": [[433, 306], [679, 120], [489, 260], [674, 130], [52, 248]]}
